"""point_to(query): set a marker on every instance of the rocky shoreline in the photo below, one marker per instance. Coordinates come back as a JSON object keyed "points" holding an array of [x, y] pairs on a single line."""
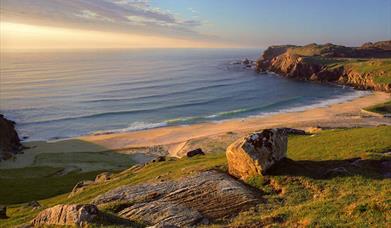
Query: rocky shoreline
{"points": [[9, 139], [365, 67]]}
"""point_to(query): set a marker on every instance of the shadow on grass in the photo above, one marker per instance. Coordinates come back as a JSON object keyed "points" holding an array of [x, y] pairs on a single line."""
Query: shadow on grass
{"points": [[374, 169], [56, 168]]}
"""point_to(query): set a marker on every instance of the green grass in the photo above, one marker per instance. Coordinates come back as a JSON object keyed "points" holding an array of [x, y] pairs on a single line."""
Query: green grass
{"points": [[381, 68], [44, 179], [355, 200], [29, 184], [316, 49], [96, 160], [384, 108], [340, 144], [324, 61]]}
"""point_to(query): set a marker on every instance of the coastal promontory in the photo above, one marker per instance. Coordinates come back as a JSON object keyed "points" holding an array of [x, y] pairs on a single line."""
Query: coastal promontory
{"points": [[364, 67]]}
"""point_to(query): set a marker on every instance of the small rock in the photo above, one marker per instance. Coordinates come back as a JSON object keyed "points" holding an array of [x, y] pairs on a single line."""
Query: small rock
{"points": [[195, 152], [256, 153], [205, 221], [158, 159], [80, 186], [34, 204], [245, 61], [74, 215], [294, 131], [161, 158], [3, 212], [105, 176]]}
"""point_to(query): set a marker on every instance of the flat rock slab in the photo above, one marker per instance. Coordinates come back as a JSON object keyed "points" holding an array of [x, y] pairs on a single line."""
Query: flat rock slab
{"points": [[73, 215], [188, 201]]}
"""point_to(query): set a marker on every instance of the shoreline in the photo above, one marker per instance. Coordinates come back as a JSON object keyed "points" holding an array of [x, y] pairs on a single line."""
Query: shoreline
{"points": [[144, 145], [167, 123], [343, 113]]}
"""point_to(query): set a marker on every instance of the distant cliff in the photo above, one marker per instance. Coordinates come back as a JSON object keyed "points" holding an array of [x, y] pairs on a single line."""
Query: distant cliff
{"points": [[365, 67], [9, 139]]}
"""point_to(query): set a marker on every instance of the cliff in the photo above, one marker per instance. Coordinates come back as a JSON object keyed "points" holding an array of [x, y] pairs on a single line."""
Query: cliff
{"points": [[9, 139], [365, 67]]}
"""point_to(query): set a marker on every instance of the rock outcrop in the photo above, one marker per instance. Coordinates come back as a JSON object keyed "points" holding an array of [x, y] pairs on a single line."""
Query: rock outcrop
{"points": [[194, 200], [256, 153], [330, 63], [80, 186], [195, 152], [73, 215], [9, 139], [102, 177]]}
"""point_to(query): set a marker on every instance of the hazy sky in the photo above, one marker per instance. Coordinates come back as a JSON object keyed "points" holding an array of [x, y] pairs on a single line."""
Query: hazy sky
{"points": [[190, 23]]}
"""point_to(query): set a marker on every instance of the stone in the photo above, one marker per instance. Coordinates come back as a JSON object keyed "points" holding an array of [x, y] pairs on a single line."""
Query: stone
{"points": [[34, 204], [256, 153], [294, 131], [102, 177], [73, 214], [159, 159], [245, 61], [3, 212], [80, 186], [189, 201], [195, 152]]}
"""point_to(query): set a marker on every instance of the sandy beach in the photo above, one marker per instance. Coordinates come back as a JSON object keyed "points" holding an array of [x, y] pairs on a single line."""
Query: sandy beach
{"points": [[175, 141], [174, 138]]}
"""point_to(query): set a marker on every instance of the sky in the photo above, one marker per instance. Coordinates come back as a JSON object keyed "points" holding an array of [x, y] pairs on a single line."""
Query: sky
{"points": [[53, 24]]}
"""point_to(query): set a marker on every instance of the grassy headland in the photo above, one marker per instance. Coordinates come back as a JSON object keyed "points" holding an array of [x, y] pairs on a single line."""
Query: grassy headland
{"points": [[365, 67]]}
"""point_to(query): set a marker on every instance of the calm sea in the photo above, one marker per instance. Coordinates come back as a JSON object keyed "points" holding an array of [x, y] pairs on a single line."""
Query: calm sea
{"points": [[62, 94]]}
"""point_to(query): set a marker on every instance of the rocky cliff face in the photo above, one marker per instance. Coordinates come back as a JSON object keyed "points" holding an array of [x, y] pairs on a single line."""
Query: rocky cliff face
{"points": [[9, 139], [366, 67]]}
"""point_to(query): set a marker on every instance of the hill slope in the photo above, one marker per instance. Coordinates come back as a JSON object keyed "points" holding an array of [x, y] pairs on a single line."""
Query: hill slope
{"points": [[295, 193]]}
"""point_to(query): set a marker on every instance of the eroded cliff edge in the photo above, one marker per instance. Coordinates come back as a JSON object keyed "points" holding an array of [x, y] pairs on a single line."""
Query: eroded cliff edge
{"points": [[365, 67]]}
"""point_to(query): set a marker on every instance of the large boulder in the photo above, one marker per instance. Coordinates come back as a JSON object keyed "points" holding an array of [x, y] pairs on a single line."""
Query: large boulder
{"points": [[189, 201], [72, 215], [9, 139], [256, 153]]}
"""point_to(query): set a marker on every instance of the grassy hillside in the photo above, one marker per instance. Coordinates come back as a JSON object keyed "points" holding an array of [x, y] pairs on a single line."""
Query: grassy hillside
{"points": [[379, 69], [318, 49], [293, 194]]}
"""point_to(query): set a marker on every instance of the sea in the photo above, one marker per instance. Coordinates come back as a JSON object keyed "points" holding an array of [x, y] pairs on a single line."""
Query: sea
{"points": [[60, 94]]}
